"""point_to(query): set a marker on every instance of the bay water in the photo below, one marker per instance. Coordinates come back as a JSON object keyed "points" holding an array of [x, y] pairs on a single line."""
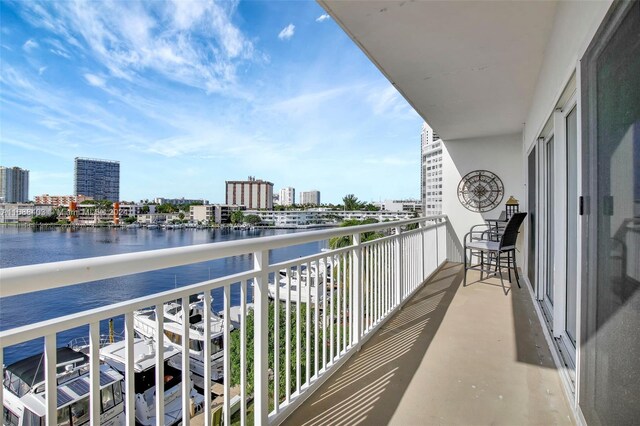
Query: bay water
{"points": [[27, 246]]}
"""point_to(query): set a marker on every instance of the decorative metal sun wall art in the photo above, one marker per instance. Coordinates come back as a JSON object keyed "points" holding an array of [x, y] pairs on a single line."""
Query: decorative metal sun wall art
{"points": [[480, 191]]}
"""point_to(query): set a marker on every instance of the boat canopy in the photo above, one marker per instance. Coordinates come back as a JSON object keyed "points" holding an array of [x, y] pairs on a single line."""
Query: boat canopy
{"points": [[22, 375]]}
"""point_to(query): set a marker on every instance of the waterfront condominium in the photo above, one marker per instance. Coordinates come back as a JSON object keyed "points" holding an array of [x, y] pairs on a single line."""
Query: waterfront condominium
{"points": [[310, 198], [99, 179], [14, 185], [252, 193], [431, 171], [287, 196]]}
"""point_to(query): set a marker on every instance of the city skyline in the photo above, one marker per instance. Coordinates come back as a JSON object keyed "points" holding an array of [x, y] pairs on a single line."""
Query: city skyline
{"points": [[186, 98]]}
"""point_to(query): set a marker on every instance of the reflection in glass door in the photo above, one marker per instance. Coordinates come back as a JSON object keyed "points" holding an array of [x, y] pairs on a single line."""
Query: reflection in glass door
{"points": [[549, 226], [531, 203], [571, 126], [610, 323]]}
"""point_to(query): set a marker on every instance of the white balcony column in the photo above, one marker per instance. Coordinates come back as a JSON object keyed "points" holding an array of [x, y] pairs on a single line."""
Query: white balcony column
{"points": [[398, 265], [356, 286], [261, 335]]}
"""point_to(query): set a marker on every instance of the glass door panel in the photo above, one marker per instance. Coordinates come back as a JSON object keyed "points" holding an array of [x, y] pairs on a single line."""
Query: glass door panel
{"points": [[531, 203], [571, 123], [610, 341], [549, 270]]}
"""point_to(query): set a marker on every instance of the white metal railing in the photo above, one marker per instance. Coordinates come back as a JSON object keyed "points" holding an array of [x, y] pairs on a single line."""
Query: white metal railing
{"points": [[331, 303]]}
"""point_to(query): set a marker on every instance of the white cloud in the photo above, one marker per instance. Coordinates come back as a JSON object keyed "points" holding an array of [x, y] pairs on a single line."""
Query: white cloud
{"points": [[94, 80], [287, 32], [323, 18], [301, 104], [29, 45], [194, 43], [388, 102], [41, 70]]}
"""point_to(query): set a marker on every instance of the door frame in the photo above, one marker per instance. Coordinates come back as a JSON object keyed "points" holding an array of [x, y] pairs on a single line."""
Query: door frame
{"points": [[561, 220]]}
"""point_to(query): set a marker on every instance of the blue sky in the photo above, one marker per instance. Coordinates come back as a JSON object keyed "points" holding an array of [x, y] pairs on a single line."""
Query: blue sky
{"points": [[189, 94]]}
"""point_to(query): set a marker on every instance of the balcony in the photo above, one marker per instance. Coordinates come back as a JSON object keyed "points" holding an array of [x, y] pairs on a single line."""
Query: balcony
{"points": [[389, 349], [451, 356]]}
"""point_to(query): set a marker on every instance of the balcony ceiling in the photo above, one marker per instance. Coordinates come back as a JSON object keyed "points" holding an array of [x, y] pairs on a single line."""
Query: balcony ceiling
{"points": [[469, 68]]}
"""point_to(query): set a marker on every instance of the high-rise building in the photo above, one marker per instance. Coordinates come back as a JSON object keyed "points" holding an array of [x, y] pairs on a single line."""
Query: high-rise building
{"points": [[431, 171], [287, 196], [252, 193], [310, 198], [14, 185], [99, 179]]}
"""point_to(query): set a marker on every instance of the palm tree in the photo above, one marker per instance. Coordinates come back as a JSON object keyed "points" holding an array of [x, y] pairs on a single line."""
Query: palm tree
{"points": [[351, 202]]}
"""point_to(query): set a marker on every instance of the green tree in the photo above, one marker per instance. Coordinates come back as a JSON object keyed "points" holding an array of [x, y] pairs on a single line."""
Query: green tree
{"points": [[166, 208], [413, 226], [351, 202], [235, 347], [370, 207], [347, 240], [181, 215], [145, 209], [252, 219], [237, 217], [129, 220], [52, 218]]}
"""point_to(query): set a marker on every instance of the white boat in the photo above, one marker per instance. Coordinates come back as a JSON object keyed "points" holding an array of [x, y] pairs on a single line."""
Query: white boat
{"points": [[144, 368], [298, 283], [144, 323], [24, 391]]}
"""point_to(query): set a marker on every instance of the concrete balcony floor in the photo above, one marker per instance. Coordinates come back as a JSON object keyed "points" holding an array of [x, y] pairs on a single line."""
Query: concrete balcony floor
{"points": [[452, 356]]}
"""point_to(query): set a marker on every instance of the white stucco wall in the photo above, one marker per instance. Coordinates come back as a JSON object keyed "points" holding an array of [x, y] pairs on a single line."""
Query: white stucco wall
{"points": [[501, 155], [574, 26]]}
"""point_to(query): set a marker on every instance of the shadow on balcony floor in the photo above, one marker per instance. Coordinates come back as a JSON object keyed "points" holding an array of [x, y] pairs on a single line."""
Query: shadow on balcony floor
{"points": [[452, 355]]}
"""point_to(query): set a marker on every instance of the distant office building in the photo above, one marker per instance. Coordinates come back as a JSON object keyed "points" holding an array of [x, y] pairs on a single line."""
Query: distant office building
{"points": [[310, 198], [180, 201], [400, 205], [99, 179], [287, 196], [14, 185], [252, 193], [431, 171], [60, 200]]}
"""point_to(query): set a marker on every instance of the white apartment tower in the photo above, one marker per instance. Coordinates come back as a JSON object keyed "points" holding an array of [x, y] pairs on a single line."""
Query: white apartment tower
{"points": [[310, 198], [287, 196], [431, 171]]}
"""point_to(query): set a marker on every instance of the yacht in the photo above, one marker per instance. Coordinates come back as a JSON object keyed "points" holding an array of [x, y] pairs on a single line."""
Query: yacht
{"points": [[298, 282], [144, 323], [24, 393], [144, 368]]}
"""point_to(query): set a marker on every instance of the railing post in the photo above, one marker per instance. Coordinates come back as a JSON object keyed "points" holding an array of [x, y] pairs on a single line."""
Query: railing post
{"points": [[357, 290], [50, 381], [421, 225], [398, 266], [261, 335], [94, 370]]}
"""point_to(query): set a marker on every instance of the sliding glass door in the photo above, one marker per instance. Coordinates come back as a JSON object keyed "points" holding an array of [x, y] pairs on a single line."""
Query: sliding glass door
{"points": [[610, 320], [570, 122]]}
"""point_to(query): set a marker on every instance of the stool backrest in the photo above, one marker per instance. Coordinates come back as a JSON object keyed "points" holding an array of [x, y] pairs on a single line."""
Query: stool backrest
{"points": [[510, 234]]}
